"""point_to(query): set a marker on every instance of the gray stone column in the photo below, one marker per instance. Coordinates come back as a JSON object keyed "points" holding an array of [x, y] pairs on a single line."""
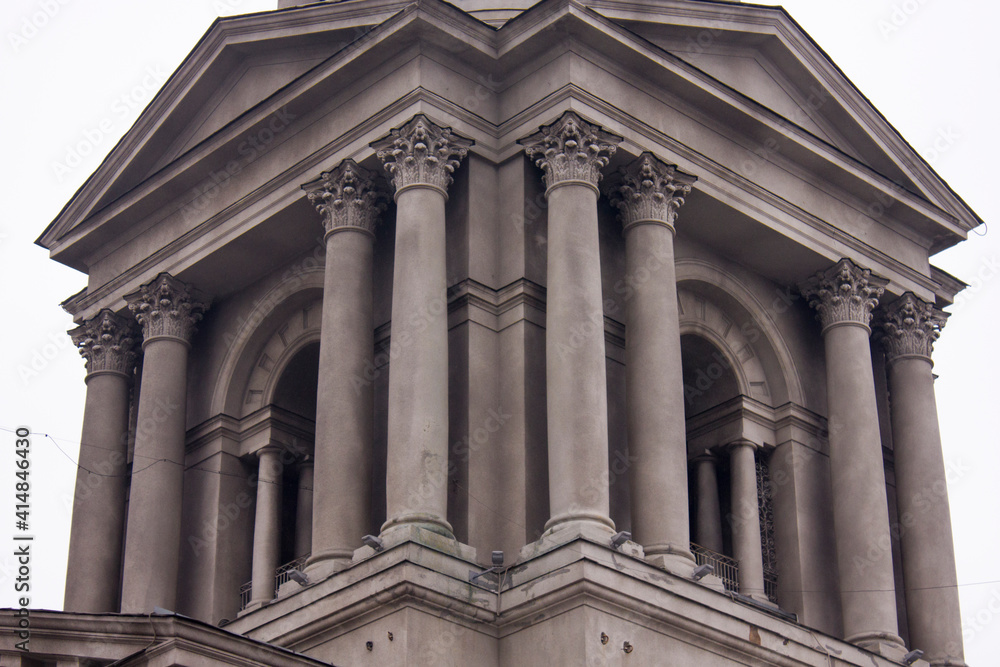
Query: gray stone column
{"points": [[648, 193], [108, 342], [844, 297], [421, 158], [572, 153], [744, 519], [304, 509], [266, 527], [909, 328], [341, 508], [708, 514], [167, 309]]}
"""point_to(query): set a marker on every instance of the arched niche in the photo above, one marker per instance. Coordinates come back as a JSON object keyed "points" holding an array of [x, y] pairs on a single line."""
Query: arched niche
{"points": [[714, 305], [282, 322]]}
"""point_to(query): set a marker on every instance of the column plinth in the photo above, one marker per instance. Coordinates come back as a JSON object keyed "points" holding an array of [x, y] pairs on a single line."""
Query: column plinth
{"points": [[844, 297], [908, 329], [109, 343], [571, 152], [647, 194], [347, 199], [167, 309], [744, 518], [421, 158]]}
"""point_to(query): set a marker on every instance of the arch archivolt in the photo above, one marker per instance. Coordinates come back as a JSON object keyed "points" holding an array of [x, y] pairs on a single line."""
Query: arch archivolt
{"points": [[279, 324], [300, 328], [715, 305]]}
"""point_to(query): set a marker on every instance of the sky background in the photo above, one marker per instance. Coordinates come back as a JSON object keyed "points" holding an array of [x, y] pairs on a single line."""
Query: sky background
{"points": [[75, 75]]}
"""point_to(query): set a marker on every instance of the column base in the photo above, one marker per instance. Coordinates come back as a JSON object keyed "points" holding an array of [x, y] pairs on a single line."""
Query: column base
{"points": [[886, 644], [323, 565], [676, 560], [569, 531], [427, 522], [420, 534]]}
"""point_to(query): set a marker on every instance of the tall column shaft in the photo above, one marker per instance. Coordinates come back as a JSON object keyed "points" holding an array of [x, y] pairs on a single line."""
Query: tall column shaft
{"points": [[341, 502], [928, 553], [266, 527], [154, 515], [421, 157], [648, 196], [304, 510], [745, 519], [417, 466], [167, 313], [572, 152], [93, 578], [845, 296], [708, 514]]}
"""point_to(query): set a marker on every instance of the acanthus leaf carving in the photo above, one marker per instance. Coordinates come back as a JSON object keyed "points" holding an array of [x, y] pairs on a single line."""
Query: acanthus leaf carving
{"points": [[346, 196], [844, 293], [909, 326], [421, 153], [166, 306], [649, 189], [571, 149], [108, 342]]}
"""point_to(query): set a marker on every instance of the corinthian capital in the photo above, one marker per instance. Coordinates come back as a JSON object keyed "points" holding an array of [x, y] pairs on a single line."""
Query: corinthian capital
{"points": [[649, 190], [346, 197], [421, 153], [844, 294], [108, 342], [571, 150], [909, 326], [165, 306]]}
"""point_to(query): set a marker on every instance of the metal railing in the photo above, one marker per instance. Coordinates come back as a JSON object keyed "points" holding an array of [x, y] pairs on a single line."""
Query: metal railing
{"points": [[281, 575], [726, 568], [245, 591], [771, 585]]}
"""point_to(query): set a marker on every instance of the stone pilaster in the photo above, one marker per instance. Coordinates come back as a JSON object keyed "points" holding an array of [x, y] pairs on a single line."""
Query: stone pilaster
{"points": [[571, 152], [844, 297], [908, 328], [648, 193], [349, 203], [168, 310], [421, 157], [109, 343]]}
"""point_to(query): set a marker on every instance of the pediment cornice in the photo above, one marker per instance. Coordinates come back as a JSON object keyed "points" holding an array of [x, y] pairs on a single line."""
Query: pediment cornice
{"points": [[430, 25]]}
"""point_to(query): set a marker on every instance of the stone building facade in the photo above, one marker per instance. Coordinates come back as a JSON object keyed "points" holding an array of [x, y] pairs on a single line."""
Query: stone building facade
{"points": [[378, 289]]}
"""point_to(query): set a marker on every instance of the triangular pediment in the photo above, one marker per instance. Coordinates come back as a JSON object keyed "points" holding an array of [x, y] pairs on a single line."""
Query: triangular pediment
{"points": [[759, 73]]}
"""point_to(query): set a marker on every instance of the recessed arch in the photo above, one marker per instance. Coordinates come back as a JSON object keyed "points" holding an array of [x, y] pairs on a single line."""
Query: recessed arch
{"points": [[248, 358], [759, 346]]}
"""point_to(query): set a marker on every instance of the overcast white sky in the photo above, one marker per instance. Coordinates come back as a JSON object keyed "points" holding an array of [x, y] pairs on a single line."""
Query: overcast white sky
{"points": [[74, 76]]}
